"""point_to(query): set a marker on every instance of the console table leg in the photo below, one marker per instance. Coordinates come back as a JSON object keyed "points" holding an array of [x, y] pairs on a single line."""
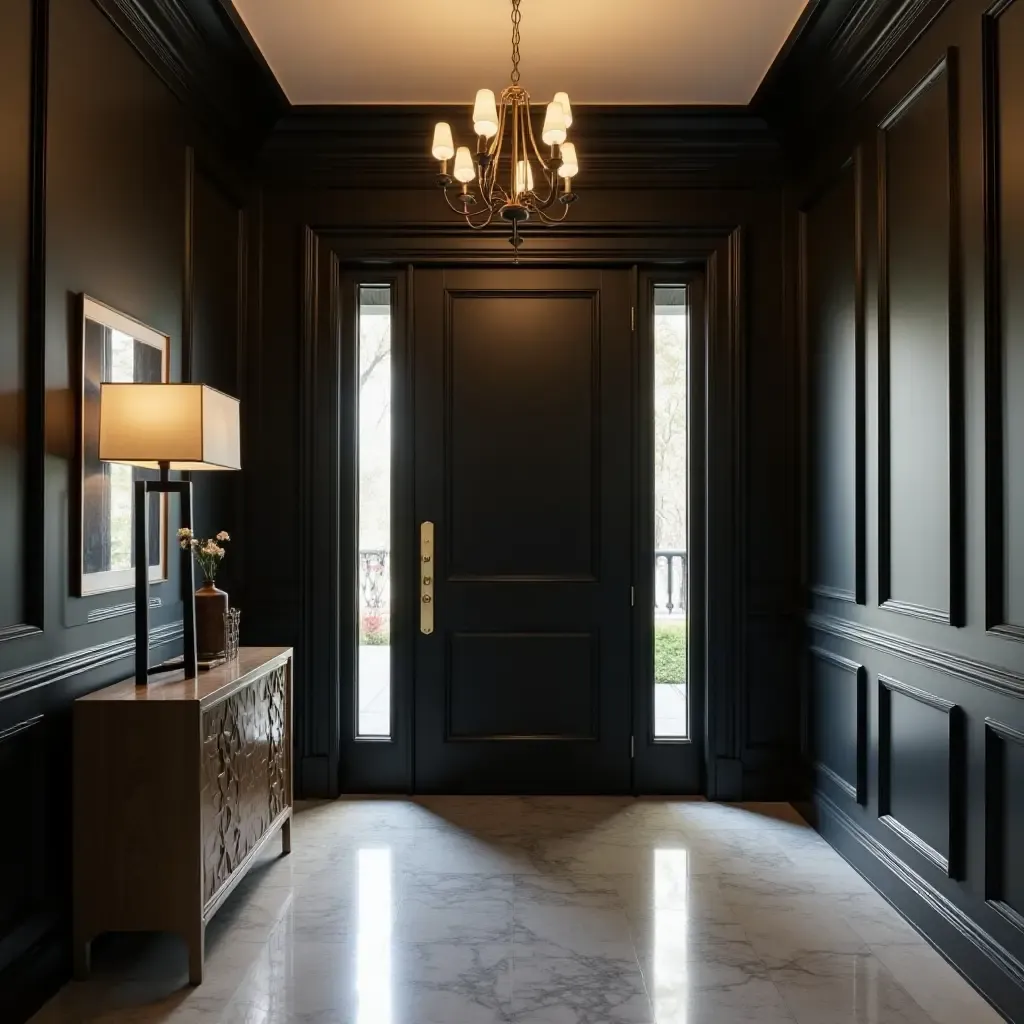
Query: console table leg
{"points": [[196, 954], [286, 838]]}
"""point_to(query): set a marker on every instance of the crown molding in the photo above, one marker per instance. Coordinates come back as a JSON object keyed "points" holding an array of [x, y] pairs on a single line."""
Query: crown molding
{"points": [[838, 52], [642, 147], [206, 57]]}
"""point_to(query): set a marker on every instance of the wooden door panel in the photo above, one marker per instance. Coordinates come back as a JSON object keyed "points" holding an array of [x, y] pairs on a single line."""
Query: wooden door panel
{"points": [[520, 434], [523, 462], [499, 686]]}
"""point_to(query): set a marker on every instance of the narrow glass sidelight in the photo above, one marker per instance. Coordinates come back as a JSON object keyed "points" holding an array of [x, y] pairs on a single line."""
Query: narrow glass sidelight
{"points": [[671, 511], [373, 688]]}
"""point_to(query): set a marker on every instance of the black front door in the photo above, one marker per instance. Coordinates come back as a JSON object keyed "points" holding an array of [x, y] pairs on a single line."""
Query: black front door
{"points": [[523, 448]]}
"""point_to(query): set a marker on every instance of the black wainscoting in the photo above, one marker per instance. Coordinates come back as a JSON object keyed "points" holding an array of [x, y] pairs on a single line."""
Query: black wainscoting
{"points": [[109, 186], [938, 826]]}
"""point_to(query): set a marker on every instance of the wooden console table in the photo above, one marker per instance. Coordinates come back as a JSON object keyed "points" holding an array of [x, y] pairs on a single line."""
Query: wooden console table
{"points": [[177, 787]]}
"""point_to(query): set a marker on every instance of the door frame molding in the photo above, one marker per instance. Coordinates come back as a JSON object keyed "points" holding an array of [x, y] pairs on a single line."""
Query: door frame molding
{"points": [[389, 250]]}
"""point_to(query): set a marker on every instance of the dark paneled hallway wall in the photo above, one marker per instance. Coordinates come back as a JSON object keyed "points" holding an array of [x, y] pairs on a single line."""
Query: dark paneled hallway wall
{"points": [[911, 252], [106, 187], [353, 188]]}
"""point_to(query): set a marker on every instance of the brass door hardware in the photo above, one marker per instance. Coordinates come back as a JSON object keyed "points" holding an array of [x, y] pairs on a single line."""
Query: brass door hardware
{"points": [[427, 573]]}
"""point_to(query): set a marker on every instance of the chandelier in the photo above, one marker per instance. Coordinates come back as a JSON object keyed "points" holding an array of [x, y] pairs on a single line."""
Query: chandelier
{"points": [[504, 170]]}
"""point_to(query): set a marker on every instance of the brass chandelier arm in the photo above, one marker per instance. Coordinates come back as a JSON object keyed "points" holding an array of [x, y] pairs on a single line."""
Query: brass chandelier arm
{"points": [[494, 151], [548, 219]]}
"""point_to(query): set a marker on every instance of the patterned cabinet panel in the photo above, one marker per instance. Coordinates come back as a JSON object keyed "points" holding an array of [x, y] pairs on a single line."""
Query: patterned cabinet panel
{"points": [[245, 785]]}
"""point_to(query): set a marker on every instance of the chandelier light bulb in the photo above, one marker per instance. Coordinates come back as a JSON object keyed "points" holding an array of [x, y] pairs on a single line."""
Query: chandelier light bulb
{"points": [[524, 177], [485, 114], [563, 99], [464, 170], [570, 164], [444, 146], [553, 132]]}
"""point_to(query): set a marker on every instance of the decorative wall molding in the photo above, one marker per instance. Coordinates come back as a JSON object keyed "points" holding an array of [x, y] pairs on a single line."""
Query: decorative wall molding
{"points": [[857, 788], [206, 57], [116, 610], [945, 71], [979, 673], [842, 51], [998, 806], [951, 862], [64, 666], [995, 400], [890, 874], [33, 339], [855, 164], [387, 147]]}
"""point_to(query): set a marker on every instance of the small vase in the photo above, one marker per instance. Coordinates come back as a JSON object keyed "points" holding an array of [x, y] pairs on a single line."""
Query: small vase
{"points": [[211, 604]]}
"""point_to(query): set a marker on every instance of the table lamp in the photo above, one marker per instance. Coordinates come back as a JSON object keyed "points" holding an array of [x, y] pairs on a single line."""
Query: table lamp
{"points": [[184, 427]]}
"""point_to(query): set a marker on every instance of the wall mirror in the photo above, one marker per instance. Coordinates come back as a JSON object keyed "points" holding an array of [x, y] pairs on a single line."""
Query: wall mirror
{"points": [[115, 348]]}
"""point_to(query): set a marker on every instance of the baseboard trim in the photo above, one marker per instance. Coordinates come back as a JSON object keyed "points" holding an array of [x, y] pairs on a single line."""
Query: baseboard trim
{"points": [[991, 968]]}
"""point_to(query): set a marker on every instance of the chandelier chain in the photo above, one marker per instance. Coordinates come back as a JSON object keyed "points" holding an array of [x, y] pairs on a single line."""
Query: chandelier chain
{"points": [[516, 18]]}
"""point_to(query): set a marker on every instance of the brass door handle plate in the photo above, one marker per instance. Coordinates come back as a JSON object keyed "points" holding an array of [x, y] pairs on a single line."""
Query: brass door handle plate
{"points": [[426, 578]]}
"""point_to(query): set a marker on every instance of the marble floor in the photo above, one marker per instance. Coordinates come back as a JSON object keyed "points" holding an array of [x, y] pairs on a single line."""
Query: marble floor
{"points": [[539, 911]]}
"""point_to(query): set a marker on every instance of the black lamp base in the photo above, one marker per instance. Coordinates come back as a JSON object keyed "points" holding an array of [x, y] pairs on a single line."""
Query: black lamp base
{"points": [[143, 489]]}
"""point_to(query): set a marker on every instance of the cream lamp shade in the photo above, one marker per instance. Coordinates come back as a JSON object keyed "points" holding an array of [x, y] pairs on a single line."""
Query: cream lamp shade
{"points": [[183, 426]]}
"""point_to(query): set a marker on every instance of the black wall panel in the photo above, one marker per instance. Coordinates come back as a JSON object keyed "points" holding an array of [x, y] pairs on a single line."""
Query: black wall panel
{"points": [[113, 211], [919, 351], [833, 326], [838, 721], [1004, 830], [1003, 42], [15, 168], [939, 828]]}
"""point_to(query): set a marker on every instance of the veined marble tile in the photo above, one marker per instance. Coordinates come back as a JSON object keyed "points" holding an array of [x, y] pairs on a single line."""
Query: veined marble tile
{"points": [[487, 893], [785, 934], [713, 989], [579, 990], [418, 924], [538, 910], [835, 988], [873, 919], [602, 891], [558, 932], [946, 996]]}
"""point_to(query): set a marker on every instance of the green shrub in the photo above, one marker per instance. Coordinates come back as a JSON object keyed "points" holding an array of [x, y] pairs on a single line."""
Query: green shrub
{"points": [[670, 652]]}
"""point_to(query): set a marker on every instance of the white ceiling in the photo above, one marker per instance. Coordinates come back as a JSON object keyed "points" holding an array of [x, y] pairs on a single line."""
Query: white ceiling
{"points": [[442, 51]]}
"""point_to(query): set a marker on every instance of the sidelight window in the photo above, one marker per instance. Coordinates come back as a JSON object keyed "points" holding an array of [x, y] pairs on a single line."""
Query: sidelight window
{"points": [[671, 511], [374, 565]]}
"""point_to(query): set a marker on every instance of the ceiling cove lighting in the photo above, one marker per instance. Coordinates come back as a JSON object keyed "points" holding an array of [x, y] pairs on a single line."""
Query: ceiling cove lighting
{"points": [[503, 169]]}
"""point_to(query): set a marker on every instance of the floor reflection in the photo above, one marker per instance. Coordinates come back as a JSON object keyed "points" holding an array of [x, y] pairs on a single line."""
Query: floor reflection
{"points": [[373, 937], [512, 910], [671, 934]]}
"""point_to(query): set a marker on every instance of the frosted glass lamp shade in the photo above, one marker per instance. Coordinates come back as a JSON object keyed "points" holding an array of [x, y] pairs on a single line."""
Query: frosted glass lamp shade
{"points": [[524, 177], [444, 145], [188, 426], [570, 164], [563, 99], [464, 170], [553, 132], [485, 114]]}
